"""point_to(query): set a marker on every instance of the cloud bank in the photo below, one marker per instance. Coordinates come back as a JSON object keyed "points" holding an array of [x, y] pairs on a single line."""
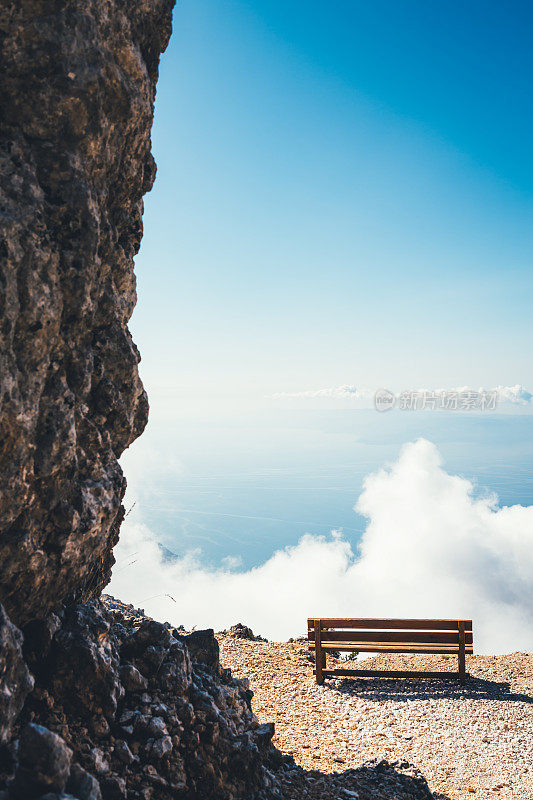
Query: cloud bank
{"points": [[345, 392], [430, 548], [515, 395]]}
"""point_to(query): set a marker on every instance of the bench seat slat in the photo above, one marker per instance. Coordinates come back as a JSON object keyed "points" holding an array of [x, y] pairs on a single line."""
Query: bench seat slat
{"points": [[393, 624], [385, 647], [424, 637]]}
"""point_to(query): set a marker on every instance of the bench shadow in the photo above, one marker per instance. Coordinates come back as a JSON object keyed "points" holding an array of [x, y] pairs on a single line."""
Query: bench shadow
{"points": [[404, 689], [379, 779]]}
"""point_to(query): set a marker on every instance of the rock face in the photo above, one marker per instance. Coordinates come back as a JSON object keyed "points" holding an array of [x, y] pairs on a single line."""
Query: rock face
{"points": [[78, 86], [120, 709]]}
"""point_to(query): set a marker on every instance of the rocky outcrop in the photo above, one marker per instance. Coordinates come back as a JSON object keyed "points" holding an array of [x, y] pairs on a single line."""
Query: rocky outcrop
{"points": [[121, 709], [240, 631], [78, 86]]}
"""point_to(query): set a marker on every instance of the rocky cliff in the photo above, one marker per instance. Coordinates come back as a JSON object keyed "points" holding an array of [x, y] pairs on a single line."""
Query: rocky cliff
{"points": [[76, 107]]}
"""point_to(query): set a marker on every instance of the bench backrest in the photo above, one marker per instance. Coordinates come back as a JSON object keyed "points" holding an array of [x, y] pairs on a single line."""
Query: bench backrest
{"points": [[393, 631]]}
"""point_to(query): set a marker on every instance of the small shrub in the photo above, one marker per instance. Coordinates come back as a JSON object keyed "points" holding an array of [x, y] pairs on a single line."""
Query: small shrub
{"points": [[352, 656]]}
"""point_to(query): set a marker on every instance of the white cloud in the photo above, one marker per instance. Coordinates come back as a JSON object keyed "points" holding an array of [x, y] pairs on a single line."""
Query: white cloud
{"points": [[345, 392], [431, 548], [232, 562], [516, 395]]}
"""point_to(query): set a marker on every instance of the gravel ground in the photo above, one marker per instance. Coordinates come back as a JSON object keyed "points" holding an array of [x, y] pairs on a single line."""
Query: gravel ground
{"points": [[469, 741]]}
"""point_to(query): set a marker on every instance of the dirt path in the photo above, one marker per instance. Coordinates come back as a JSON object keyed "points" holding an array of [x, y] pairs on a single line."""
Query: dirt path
{"points": [[467, 741]]}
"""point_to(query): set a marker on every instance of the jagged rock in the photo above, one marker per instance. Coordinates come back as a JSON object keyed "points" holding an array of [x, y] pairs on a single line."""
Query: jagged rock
{"points": [[131, 678], [83, 785], [240, 631], [43, 763], [263, 735], [38, 636], [113, 788], [123, 752], [192, 732], [149, 634], [15, 679], [76, 108], [98, 761], [158, 748], [84, 663], [203, 647]]}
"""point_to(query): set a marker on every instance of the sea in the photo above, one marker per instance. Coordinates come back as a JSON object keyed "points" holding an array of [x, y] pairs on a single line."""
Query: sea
{"points": [[234, 488]]}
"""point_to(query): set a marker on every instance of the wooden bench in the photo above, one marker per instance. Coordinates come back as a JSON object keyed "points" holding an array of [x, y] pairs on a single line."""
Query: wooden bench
{"points": [[435, 636]]}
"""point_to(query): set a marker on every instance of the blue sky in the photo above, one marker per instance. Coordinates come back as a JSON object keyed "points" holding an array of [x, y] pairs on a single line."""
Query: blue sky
{"points": [[344, 195]]}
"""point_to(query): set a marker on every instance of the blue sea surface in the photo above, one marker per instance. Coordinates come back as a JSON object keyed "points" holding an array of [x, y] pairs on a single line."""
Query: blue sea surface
{"points": [[245, 486]]}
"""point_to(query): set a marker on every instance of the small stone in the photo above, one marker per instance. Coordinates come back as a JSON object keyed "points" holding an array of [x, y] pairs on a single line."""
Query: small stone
{"points": [[83, 785], [101, 765], [161, 747], [157, 727], [131, 679], [123, 752], [100, 726], [113, 788]]}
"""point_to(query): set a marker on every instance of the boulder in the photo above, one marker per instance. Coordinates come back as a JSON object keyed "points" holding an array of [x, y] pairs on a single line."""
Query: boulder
{"points": [[43, 763], [203, 647]]}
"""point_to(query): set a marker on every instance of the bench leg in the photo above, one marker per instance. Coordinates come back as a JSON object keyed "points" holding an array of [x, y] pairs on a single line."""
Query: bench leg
{"points": [[462, 659], [320, 655], [462, 669]]}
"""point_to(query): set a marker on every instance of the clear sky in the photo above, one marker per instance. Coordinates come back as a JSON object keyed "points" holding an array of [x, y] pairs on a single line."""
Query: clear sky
{"points": [[344, 195]]}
